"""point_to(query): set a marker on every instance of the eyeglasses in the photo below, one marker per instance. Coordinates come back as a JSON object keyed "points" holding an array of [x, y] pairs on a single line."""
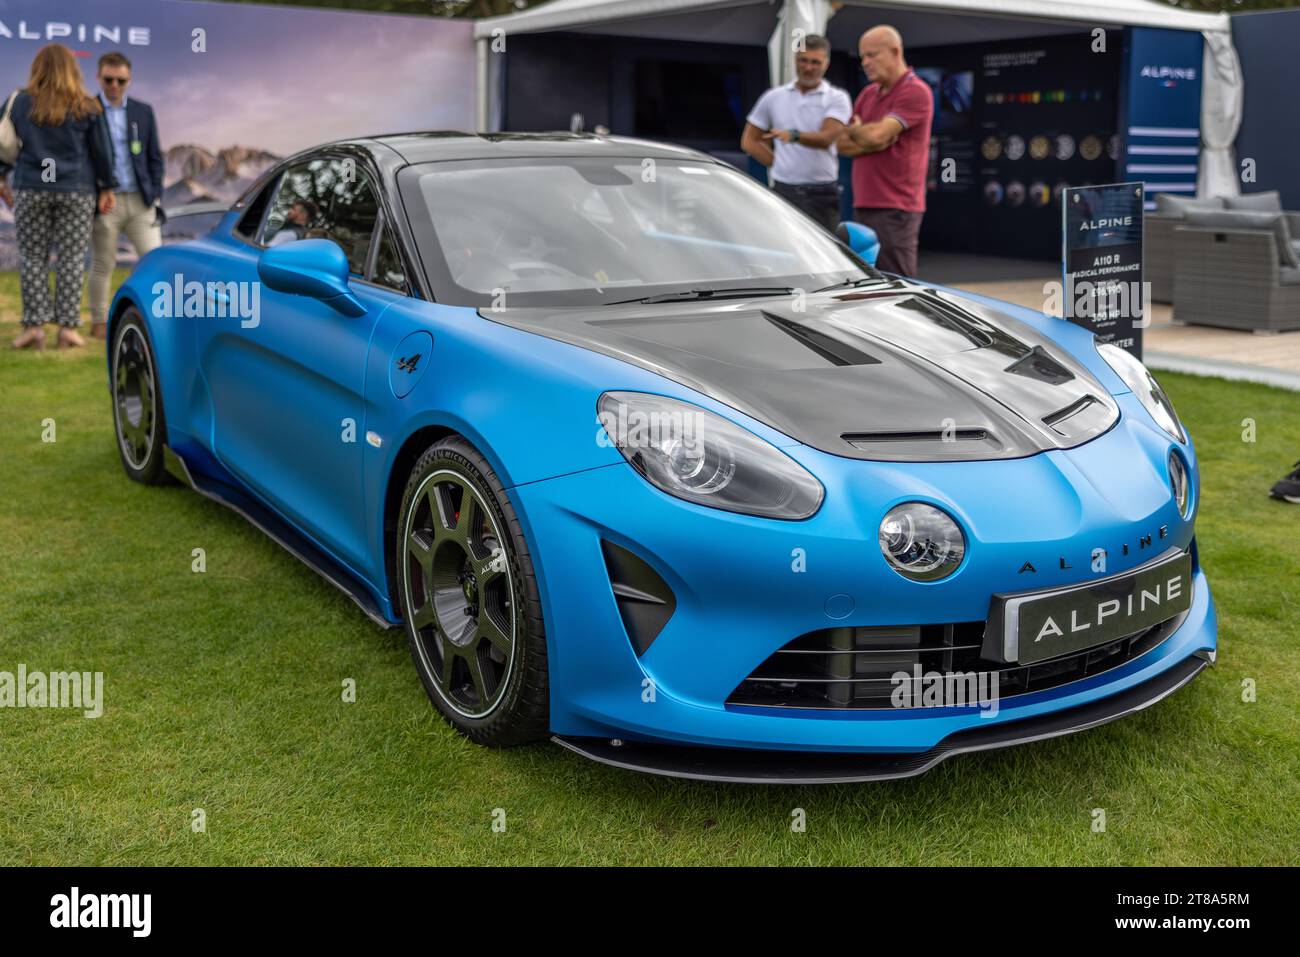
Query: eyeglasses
{"points": [[123, 80]]}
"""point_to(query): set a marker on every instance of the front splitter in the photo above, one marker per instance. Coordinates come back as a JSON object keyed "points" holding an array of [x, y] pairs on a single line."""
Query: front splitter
{"points": [[754, 766]]}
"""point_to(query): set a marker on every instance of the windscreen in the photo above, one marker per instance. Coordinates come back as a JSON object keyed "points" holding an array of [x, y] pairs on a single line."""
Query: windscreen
{"points": [[597, 230]]}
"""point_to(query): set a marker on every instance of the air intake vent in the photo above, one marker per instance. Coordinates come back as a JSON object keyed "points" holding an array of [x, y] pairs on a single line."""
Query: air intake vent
{"points": [[1038, 364], [933, 443], [1083, 417], [645, 602], [855, 668], [834, 351]]}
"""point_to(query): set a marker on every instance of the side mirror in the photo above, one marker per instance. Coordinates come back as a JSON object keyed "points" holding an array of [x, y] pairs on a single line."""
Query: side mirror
{"points": [[861, 239], [316, 268]]}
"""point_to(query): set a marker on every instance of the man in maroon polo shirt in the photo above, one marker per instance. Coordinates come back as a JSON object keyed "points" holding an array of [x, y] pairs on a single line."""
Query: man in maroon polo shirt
{"points": [[890, 137]]}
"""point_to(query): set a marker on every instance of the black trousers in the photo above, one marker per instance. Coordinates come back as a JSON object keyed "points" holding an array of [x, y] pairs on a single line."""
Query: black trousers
{"points": [[820, 201]]}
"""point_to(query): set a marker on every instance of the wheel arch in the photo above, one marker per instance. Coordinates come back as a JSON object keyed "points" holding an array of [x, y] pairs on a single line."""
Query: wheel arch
{"points": [[410, 451], [412, 447]]}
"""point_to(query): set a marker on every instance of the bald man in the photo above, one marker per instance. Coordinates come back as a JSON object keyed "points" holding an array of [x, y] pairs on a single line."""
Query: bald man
{"points": [[889, 136]]}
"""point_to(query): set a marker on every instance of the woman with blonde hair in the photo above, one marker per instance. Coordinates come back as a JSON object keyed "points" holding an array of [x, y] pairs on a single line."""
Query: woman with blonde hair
{"points": [[64, 161]]}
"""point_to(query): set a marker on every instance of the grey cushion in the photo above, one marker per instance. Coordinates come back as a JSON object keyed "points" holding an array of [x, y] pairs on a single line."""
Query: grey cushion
{"points": [[1245, 219], [1270, 202], [1177, 207], [1290, 276]]}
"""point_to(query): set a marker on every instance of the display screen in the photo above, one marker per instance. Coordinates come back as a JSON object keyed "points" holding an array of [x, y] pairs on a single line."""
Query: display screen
{"points": [[1016, 123]]}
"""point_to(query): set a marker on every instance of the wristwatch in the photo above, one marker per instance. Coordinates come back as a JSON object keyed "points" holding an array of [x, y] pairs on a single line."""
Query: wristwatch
{"points": [[794, 136]]}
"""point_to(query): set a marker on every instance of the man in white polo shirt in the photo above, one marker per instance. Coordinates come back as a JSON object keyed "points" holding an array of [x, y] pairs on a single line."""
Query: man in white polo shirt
{"points": [[793, 129]]}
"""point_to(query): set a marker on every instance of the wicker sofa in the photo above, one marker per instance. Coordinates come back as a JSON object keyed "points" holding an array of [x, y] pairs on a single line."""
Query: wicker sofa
{"points": [[1237, 269], [1171, 212]]}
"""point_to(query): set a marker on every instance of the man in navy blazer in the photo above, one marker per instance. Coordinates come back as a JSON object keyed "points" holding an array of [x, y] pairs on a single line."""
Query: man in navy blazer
{"points": [[138, 166]]}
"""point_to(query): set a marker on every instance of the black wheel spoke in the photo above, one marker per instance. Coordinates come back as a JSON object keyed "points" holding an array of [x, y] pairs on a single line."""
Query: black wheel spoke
{"points": [[475, 533], [420, 544], [450, 500], [482, 688], [449, 658], [494, 634], [423, 616]]}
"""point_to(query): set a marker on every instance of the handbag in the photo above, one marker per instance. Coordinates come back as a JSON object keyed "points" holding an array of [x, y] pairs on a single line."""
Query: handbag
{"points": [[10, 144]]}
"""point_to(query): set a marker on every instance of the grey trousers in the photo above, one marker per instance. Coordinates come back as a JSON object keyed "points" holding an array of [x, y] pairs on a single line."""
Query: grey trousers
{"points": [[138, 221]]}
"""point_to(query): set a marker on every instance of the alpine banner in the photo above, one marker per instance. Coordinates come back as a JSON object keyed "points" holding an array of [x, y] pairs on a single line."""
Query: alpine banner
{"points": [[236, 87]]}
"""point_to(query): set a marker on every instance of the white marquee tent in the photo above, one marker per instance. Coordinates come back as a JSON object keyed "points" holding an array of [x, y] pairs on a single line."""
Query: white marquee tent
{"points": [[775, 23]]}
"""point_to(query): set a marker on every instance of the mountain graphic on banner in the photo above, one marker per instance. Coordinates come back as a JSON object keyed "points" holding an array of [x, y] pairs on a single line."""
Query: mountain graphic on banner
{"points": [[194, 174]]}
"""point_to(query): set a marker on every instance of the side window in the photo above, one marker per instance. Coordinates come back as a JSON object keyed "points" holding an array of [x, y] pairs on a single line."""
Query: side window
{"points": [[325, 199], [252, 218], [388, 264]]}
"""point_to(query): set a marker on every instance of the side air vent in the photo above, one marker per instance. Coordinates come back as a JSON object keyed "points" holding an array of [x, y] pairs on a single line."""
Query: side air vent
{"points": [[645, 602]]}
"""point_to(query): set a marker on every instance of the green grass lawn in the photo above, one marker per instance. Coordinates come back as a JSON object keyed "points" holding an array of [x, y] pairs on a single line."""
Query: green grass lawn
{"points": [[222, 692]]}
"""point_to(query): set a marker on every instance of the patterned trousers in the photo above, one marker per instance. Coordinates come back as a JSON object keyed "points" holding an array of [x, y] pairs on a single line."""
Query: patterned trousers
{"points": [[43, 220]]}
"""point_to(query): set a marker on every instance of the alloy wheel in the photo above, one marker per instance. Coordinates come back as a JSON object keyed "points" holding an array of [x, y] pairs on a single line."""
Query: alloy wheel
{"points": [[134, 399], [459, 593]]}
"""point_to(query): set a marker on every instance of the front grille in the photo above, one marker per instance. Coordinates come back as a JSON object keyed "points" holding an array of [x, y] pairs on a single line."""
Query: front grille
{"points": [[853, 668]]}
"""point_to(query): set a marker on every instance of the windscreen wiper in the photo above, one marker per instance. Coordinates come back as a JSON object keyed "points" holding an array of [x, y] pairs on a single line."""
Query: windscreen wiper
{"points": [[850, 283], [691, 295]]}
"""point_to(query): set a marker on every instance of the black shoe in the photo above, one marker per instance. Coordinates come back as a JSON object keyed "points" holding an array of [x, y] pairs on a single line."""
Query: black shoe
{"points": [[1288, 490]]}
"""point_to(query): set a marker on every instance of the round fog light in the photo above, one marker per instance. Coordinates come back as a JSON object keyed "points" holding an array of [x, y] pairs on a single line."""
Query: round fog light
{"points": [[921, 542]]}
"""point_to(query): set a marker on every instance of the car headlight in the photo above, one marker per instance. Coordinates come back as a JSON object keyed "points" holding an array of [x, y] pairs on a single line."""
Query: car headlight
{"points": [[695, 455], [921, 542], [1180, 482], [1143, 385]]}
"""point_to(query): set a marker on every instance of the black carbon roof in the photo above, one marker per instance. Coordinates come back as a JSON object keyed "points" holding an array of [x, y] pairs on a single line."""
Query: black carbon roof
{"points": [[425, 147]]}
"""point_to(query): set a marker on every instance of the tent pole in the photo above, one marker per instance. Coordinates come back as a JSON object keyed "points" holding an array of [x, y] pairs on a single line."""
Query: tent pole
{"points": [[481, 54]]}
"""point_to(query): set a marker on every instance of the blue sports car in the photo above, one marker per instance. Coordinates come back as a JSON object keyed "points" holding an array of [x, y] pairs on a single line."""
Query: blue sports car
{"points": [[645, 462]]}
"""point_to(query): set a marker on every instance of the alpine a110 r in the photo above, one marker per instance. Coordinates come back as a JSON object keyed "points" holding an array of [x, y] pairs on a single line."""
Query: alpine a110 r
{"points": [[644, 461]]}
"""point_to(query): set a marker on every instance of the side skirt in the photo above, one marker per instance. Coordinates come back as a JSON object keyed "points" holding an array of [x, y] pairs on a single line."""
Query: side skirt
{"points": [[279, 531]]}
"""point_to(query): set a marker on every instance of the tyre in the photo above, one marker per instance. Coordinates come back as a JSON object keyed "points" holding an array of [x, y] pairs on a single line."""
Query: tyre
{"points": [[137, 402], [468, 596]]}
